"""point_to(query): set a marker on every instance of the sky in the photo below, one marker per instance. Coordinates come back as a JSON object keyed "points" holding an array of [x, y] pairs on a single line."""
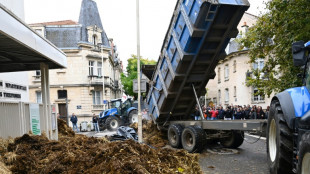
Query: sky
{"points": [[119, 21]]}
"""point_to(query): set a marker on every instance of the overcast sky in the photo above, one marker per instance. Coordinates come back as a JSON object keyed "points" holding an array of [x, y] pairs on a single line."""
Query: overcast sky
{"points": [[119, 20]]}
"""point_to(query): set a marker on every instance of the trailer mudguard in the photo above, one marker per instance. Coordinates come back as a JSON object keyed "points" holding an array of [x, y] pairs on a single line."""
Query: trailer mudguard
{"points": [[130, 109], [295, 102]]}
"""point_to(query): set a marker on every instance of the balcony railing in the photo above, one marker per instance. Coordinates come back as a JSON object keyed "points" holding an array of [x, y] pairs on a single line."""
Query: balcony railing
{"points": [[109, 82], [97, 107]]}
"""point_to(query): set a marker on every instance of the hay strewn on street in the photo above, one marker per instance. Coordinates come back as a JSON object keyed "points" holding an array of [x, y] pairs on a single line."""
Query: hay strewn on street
{"points": [[81, 154]]}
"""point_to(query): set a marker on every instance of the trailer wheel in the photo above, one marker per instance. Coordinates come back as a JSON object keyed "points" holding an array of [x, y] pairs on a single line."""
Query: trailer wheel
{"points": [[133, 116], [112, 123], [174, 135], [193, 139], [234, 140], [279, 141], [304, 154]]}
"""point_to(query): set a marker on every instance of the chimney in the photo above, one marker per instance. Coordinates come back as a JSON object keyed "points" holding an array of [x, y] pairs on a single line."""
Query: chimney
{"points": [[244, 29]]}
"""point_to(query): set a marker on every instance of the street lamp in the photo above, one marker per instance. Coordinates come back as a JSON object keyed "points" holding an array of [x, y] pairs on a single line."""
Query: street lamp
{"points": [[138, 69]]}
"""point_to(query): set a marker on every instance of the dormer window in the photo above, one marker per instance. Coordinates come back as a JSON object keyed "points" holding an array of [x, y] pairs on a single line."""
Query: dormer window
{"points": [[94, 35]]}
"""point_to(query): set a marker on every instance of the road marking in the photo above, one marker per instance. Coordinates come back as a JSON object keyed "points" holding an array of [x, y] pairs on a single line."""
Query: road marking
{"points": [[255, 136]]}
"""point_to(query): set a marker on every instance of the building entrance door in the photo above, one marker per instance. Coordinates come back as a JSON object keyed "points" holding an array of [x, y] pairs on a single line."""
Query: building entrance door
{"points": [[62, 111]]}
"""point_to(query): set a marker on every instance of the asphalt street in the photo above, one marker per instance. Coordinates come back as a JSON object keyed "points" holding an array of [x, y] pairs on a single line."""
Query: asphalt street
{"points": [[247, 159]]}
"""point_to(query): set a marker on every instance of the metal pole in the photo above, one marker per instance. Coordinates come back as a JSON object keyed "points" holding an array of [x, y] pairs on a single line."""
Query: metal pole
{"points": [[140, 139], [103, 91], [67, 112], [197, 100]]}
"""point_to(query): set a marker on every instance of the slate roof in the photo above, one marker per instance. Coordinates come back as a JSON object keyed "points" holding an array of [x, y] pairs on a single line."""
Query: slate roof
{"points": [[89, 16], [68, 33]]}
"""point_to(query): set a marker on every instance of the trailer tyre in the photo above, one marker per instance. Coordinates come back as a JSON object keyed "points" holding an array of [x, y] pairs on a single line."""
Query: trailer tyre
{"points": [[112, 123], [174, 135], [279, 141], [193, 139], [304, 154], [133, 116], [234, 140]]}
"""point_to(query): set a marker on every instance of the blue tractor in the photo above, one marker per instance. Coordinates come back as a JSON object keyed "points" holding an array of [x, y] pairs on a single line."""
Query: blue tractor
{"points": [[119, 113], [288, 129]]}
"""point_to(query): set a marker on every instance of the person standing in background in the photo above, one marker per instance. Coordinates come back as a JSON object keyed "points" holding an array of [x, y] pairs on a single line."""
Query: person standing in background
{"points": [[74, 120], [95, 122]]}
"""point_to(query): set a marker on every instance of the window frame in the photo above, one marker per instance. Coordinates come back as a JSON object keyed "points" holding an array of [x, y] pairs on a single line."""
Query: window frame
{"points": [[226, 72], [99, 73], [61, 95], [37, 97], [257, 98], [95, 96], [91, 66], [226, 95]]}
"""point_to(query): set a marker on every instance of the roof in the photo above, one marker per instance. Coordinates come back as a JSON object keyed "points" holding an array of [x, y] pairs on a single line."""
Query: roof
{"points": [[22, 49], [89, 16], [64, 22]]}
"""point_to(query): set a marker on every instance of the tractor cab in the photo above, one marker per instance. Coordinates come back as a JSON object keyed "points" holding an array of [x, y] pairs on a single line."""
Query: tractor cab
{"points": [[121, 107]]}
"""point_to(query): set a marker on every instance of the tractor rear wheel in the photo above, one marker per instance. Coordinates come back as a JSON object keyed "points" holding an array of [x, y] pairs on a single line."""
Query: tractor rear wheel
{"points": [[279, 141]]}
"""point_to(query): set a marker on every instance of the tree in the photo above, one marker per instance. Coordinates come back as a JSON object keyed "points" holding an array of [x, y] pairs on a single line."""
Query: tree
{"points": [[127, 80], [271, 38]]}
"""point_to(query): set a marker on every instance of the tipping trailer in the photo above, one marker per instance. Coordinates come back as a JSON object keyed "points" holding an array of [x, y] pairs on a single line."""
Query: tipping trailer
{"points": [[195, 42]]}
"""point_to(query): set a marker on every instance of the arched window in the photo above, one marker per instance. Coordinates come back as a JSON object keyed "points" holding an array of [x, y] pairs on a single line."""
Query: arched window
{"points": [[95, 39]]}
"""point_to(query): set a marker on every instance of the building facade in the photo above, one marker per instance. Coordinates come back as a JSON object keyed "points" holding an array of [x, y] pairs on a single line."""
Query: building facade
{"points": [[93, 71], [14, 85], [229, 85]]}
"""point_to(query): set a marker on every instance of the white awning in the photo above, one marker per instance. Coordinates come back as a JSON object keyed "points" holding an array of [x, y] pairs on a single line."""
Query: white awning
{"points": [[22, 49]]}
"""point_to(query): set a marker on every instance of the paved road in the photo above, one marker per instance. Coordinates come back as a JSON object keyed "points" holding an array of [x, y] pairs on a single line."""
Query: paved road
{"points": [[247, 159]]}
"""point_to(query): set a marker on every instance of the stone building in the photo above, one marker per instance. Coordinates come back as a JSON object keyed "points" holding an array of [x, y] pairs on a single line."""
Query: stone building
{"points": [[229, 85], [93, 65]]}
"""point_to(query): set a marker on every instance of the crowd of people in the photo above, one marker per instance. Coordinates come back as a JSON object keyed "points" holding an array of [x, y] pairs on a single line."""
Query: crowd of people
{"points": [[232, 112]]}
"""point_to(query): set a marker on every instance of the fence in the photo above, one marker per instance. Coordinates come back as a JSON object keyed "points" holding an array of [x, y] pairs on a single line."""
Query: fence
{"points": [[15, 119]]}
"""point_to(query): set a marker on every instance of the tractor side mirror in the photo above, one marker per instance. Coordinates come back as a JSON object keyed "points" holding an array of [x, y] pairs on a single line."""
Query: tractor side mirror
{"points": [[299, 53]]}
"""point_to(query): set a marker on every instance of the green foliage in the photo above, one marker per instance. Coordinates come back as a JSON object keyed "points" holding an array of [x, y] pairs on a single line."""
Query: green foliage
{"points": [[127, 80], [271, 38]]}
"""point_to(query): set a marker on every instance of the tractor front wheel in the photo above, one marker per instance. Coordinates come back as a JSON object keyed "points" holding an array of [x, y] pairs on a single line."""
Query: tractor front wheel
{"points": [[279, 141], [112, 123], [304, 154]]}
